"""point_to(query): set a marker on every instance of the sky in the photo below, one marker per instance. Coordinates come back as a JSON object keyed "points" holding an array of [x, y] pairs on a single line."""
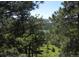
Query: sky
{"points": [[47, 9]]}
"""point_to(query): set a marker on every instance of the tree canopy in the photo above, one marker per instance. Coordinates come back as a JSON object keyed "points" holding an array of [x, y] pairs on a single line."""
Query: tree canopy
{"points": [[22, 34]]}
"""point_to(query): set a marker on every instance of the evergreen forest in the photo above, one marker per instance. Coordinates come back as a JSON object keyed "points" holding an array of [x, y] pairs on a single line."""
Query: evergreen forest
{"points": [[25, 35]]}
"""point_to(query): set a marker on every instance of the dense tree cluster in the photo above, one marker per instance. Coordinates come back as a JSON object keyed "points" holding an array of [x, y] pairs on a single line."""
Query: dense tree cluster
{"points": [[22, 34], [66, 28], [19, 31]]}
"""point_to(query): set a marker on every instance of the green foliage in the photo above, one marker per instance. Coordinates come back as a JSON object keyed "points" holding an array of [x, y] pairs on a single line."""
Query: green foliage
{"points": [[50, 50], [20, 35], [26, 35], [65, 30]]}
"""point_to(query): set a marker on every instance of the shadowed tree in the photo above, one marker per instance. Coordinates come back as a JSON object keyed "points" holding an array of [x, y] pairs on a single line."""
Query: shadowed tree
{"points": [[15, 30]]}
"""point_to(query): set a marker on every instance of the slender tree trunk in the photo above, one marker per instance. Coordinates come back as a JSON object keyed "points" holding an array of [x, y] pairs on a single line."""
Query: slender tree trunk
{"points": [[29, 52]]}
